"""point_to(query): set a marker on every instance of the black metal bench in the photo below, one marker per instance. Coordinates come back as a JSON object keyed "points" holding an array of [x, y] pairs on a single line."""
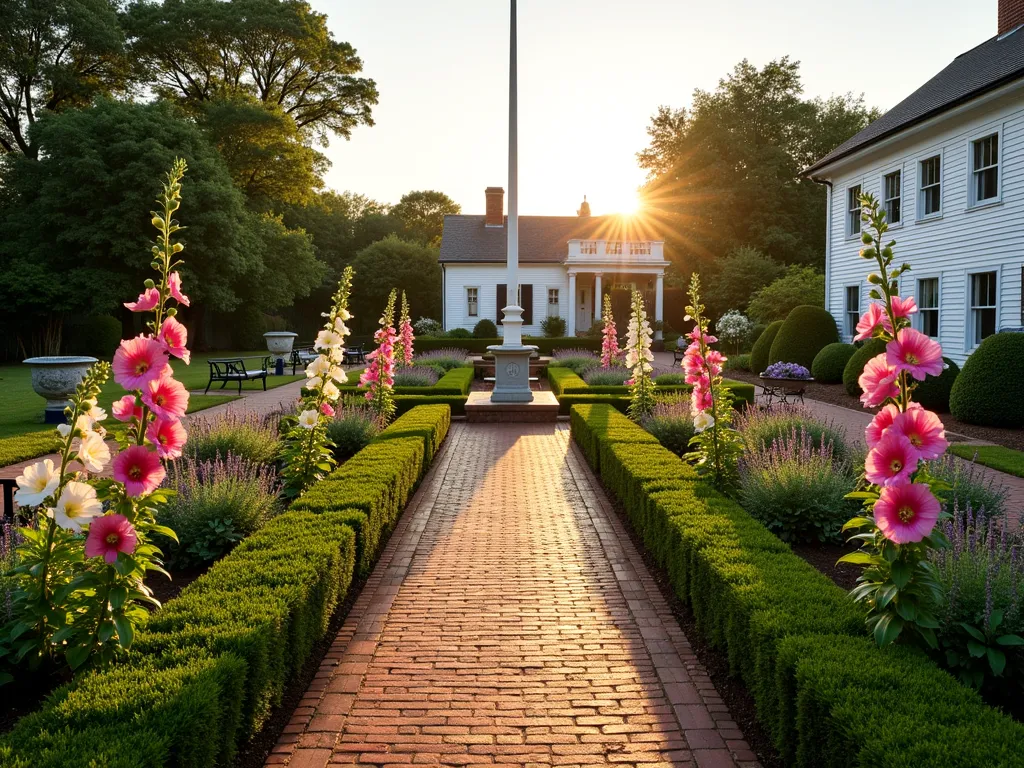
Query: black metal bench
{"points": [[302, 356], [233, 369], [678, 354], [354, 355], [8, 486]]}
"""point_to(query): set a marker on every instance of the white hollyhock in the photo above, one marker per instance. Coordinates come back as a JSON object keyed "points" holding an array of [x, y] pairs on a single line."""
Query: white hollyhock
{"points": [[93, 452], [331, 391], [328, 340], [702, 421], [77, 506], [318, 367], [36, 483], [308, 419]]}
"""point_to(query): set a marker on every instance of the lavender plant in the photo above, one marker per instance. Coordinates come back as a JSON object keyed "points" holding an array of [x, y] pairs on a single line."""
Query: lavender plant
{"points": [[671, 422], [445, 358], [415, 376], [579, 361], [969, 485], [607, 377], [353, 426], [242, 433], [760, 427]]}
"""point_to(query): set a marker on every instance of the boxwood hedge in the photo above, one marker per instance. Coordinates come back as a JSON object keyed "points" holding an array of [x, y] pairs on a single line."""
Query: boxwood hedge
{"points": [[571, 390], [830, 362], [763, 347], [990, 388], [934, 391], [826, 693], [805, 332]]}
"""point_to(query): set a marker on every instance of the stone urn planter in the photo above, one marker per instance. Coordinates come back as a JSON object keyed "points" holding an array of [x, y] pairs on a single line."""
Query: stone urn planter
{"points": [[55, 378], [279, 344]]}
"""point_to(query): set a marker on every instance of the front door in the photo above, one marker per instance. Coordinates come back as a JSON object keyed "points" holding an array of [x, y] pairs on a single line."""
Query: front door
{"points": [[584, 312]]}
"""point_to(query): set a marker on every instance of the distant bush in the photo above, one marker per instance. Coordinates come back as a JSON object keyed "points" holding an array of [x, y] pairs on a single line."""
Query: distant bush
{"points": [[579, 361], [669, 379], [804, 333], [485, 329], [94, 336], [352, 428], [672, 423], [427, 327], [933, 393], [553, 327], [733, 328], [830, 362], [459, 333], [738, 363], [855, 365], [242, 433], [799, 286], [990, 388], [763, 347], [445, 358], [755, 334]]}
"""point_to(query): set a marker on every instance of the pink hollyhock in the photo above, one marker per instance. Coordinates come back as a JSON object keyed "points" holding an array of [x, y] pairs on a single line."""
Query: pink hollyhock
{"points": [[109, 535], [139, 469], [174, 284], [903, 307], [138, 361], [871, 320], [628, 382], [167, 436], [882, 421], [174, 337], [878, 382], [906, 513], [892, 461], [327, 409], [166, 397], [126, 409], [406, 337], [695, 335], [146, 302], [924, 430], [610, 351], [915, 353]]}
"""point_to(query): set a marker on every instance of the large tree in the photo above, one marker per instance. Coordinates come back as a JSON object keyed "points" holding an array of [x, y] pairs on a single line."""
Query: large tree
{"points": [[421, 214], [395, 263], [54, 55], [726, 172]]}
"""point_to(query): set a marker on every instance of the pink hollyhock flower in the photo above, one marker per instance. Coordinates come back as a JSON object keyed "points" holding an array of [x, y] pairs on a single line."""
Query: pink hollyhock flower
{"points": [[126, 409], [174, 284], [892, 461], [629, 382], [146, 302], [924, 430], [915, 353], [109, 535], [327, 410], [882, 421], [903, 307], [906, 513], [138, 361], [167, 436], [174, 337], [139, 469], [166, 397], [878, 382], [870, 320]]}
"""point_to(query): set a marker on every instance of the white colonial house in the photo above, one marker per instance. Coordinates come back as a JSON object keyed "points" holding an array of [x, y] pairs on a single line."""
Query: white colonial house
{"points": [[566, 264], [948, 165]]}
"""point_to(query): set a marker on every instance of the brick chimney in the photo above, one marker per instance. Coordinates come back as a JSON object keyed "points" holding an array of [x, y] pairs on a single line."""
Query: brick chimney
{"points": [[496, 202], [1011, 15]]}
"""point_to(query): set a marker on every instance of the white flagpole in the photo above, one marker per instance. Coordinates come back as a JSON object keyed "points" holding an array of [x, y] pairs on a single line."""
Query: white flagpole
{"points": [[513, 180]]}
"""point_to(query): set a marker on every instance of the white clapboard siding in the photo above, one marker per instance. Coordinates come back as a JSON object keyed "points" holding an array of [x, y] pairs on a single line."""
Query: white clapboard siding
{"points": [[486, 277], [962, 241]]}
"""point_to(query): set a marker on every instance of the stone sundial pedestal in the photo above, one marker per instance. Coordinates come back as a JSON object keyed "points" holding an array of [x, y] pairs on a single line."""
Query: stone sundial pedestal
{"points": [[512, 361]]}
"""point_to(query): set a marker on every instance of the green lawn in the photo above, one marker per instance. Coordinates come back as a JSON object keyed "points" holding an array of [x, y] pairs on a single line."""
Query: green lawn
{"points": [[23, 435], [996, 456]]}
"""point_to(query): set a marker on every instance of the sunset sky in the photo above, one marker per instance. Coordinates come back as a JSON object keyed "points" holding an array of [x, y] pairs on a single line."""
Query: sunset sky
{"points": [[591, 73]]}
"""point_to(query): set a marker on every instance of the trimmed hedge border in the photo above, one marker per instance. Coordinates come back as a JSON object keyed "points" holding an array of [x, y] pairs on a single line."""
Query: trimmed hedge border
{"points": [[544, 346], [208, 667], [457, 381], [825, 692], [560, 378]]}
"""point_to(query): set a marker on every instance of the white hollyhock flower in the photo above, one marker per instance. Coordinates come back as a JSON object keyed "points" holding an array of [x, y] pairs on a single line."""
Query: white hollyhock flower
{"points": [[77, 506], [338, 374], [63, 430], [93, 453], [318, 367], [314, 383], [331, 391], [703, 420], [344, 314], [327, 340], [336, 355], [36, 483], [340, 327], [96, 414], [308, 419]]}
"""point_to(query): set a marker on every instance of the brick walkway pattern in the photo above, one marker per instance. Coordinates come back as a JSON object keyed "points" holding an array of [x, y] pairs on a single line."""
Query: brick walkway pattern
{"points": [[510, 621]]}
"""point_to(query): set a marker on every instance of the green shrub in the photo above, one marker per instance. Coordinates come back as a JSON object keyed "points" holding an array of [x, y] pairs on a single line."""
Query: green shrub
{"points": [[933, 393], [485, 329], [234, 432], [553, 327], [855, 365], [761, 427], [670, 379], [592, 424], [458, 333], [353, 427], [738, 362], [763, 346], [804, 333], [430, 423], [830, 362], [559, 378], [544, 346], [671, 423], [457, 381], [95, 336], [755, 333], [990, 388], [405, 403]]}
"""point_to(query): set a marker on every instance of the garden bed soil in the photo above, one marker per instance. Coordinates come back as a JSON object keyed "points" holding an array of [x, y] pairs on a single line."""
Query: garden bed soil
{"points": [[165, 589], [824, 558], [835, 394]]}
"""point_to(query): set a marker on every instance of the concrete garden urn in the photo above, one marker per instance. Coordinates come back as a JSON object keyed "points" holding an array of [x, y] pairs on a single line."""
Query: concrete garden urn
{"points": [[55, 379], [279, 343]]}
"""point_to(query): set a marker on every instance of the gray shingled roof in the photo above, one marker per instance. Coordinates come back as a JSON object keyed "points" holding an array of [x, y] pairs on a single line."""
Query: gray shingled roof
{"points": [[542, 239], [992, 64]]}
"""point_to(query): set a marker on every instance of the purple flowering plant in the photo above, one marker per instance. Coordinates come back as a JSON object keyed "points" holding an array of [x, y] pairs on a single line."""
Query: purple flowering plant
{"points": [[786, 371]]}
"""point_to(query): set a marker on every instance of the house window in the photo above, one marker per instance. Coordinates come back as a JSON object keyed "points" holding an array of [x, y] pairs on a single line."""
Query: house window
{"points": [[928, 306], [930, 186], [893, 187], [985, 169], [852, 309], [613, 248], [553, 302], [983, 307], [472, 307], [639, 249], [853, 211]]}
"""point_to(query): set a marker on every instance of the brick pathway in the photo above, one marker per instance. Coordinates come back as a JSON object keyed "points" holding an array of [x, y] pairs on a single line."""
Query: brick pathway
{"points": [[510, 621]]}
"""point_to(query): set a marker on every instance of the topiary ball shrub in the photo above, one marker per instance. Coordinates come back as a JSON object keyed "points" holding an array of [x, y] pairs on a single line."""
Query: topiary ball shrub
{"points": [[763, 346], [830, 362], [933, 392], [755, 334], [459, 333], [806, 331], [990, 388], [485, 329], [553, 327], [855, 365]]}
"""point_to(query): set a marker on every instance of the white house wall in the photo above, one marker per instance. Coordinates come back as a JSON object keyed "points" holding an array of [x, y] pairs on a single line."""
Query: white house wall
{"points": [[485, 277], [962, 240]]}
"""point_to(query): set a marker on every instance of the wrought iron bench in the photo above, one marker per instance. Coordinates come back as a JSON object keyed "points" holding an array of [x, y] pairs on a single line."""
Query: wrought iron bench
{"points": [[303, 356], [678, 354], [354, 355], [233, 369], [8, 486]]}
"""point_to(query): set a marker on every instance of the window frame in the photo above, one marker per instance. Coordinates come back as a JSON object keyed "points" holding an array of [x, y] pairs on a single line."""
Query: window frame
{"points": [[920, 190], [969, 343], [849, 215], [918, 319], [902, 197], [972, 200], [851, 328], [557, 304], [466, 290]]}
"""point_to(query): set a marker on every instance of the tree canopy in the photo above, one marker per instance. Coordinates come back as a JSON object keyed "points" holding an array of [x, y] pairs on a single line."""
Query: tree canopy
{"points": [[395, 263], [799, 286], [421, 215]]}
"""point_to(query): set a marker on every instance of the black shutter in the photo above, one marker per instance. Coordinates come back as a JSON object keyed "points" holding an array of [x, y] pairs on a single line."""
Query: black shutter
{"points": [[501, 299], [526, 292]]}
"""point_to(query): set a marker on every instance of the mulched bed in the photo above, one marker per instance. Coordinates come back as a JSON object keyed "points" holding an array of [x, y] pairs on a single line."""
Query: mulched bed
{"points": [[164, 589], [835, 394], [824, 556]]}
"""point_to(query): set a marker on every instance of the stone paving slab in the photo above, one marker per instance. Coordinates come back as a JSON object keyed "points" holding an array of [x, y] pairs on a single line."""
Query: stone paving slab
{"points": [[510, 621]]}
